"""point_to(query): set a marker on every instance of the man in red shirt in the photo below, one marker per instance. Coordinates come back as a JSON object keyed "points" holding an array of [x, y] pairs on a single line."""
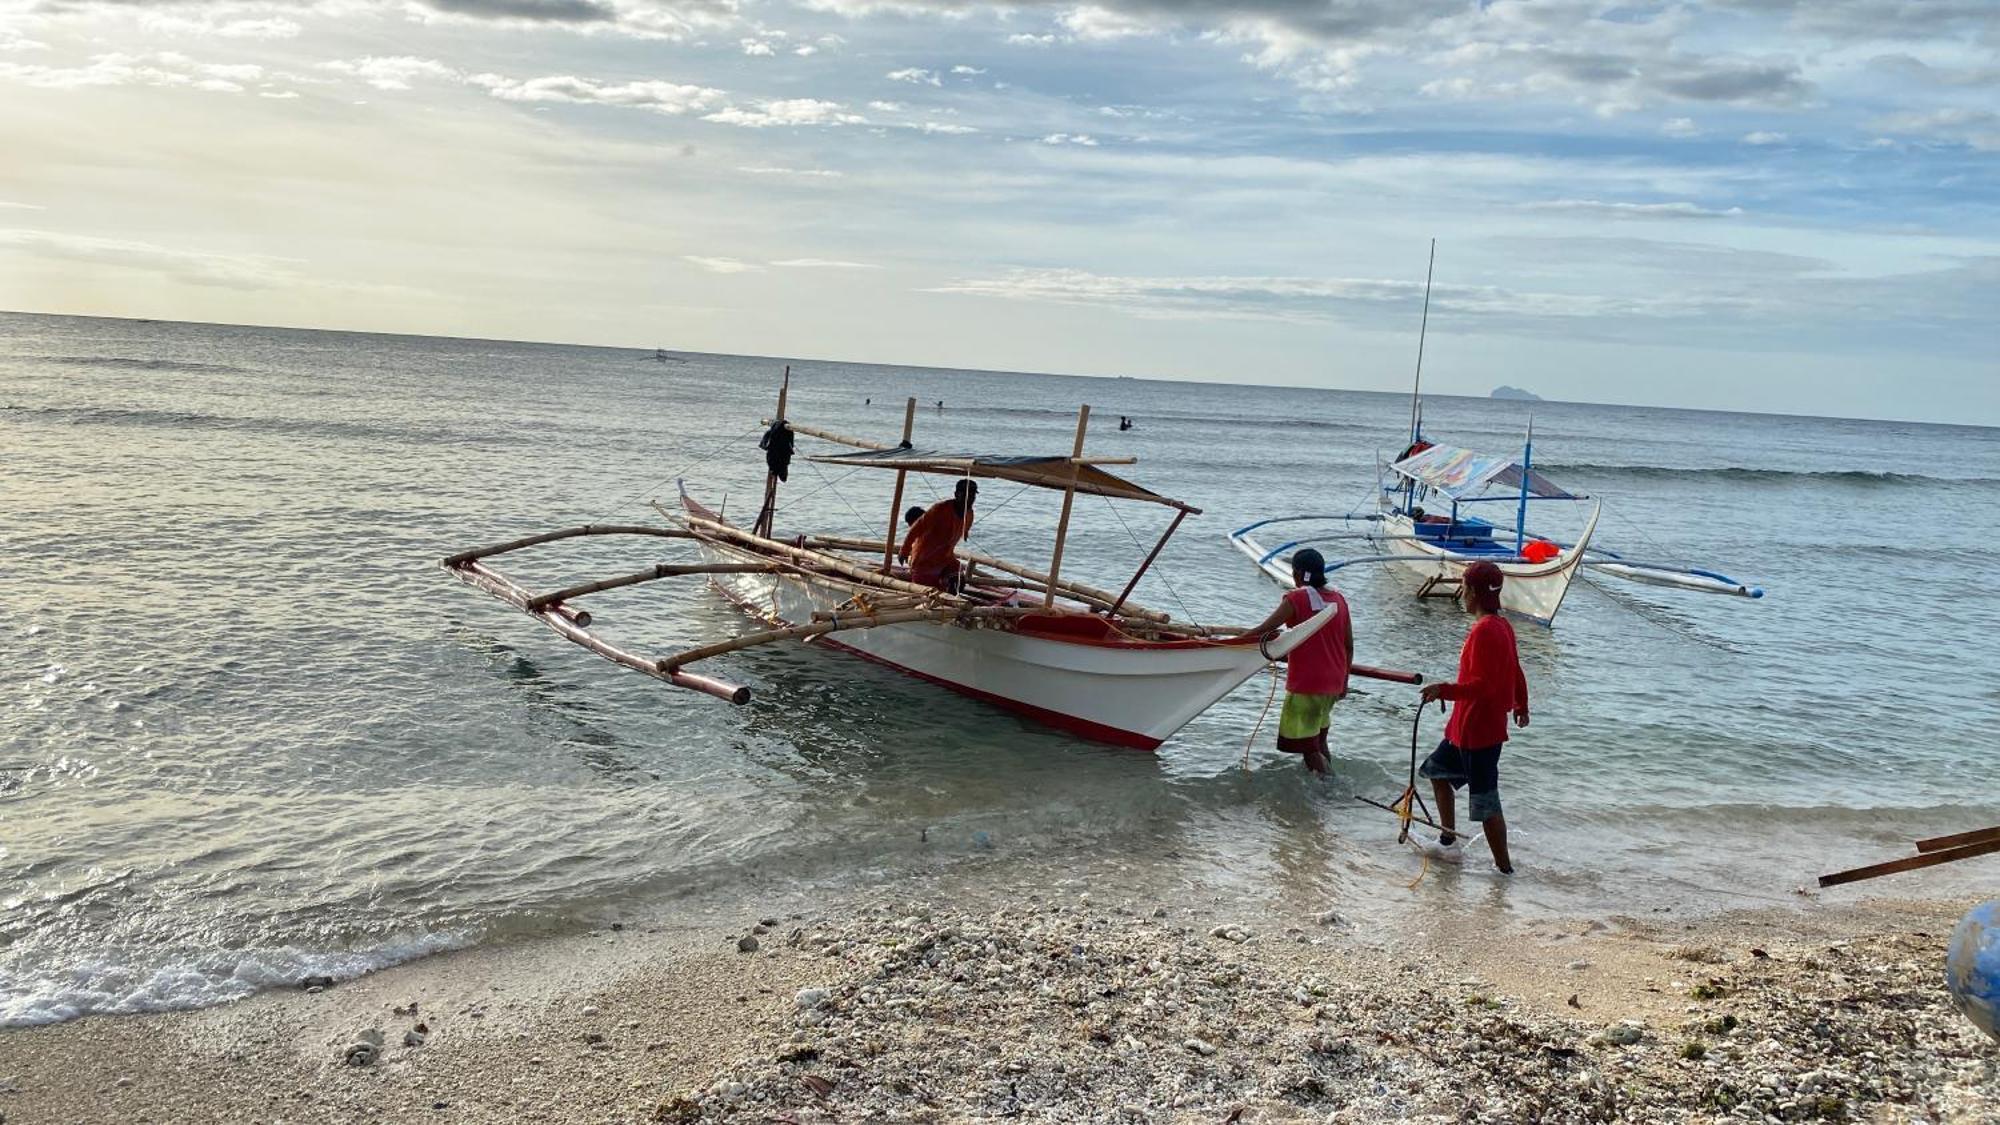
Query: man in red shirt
{"points": [[1489, 687], [930, 543]]}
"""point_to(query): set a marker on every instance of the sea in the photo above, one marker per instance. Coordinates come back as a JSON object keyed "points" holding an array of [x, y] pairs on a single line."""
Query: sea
{"points": [[250, 731]]}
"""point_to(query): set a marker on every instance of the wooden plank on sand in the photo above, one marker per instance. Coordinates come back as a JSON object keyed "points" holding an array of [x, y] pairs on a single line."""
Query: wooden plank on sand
{"points": [[1960, 839], [1910, 863]]}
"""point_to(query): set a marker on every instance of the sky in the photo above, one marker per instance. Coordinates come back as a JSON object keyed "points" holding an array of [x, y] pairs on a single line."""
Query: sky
{"points": [[1774, 205]]}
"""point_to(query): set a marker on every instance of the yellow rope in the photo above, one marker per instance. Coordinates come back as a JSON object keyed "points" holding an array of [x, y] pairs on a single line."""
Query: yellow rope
{"points": [[1252, 740]]}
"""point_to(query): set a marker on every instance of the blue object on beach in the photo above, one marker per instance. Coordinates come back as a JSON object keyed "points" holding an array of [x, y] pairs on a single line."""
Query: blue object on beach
{"points": [[1972, 966]]}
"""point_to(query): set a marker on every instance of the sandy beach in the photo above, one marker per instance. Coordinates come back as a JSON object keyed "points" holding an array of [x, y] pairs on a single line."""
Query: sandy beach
{"points": [[917, 1004]]}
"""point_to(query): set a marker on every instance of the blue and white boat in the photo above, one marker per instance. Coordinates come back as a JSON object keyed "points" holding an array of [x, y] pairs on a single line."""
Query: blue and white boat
{"points": [[1425, 524]]}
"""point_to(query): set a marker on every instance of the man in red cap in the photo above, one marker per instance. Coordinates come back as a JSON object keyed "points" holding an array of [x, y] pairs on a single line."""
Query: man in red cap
{"points": [[1489, 687]]}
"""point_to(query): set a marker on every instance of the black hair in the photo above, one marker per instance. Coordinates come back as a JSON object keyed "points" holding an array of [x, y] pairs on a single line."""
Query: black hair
{"points": [[914, 514], [1309, 568], [966, 489]]}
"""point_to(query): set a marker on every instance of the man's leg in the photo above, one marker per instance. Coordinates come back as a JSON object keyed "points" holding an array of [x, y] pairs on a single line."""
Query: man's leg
{"points": [[1496, 842], [1446, 810]]}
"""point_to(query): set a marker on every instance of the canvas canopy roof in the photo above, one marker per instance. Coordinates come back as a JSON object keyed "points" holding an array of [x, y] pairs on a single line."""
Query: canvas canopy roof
{"points": [[1042, 472], [1461, 474]]}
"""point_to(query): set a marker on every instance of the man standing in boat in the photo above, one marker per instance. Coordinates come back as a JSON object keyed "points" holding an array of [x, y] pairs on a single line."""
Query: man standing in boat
{"points": [[930, 544], [1489, 688], [1316, 671]]}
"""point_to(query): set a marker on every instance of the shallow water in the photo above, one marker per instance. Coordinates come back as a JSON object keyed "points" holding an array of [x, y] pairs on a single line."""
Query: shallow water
{"points": [[266, 736]]}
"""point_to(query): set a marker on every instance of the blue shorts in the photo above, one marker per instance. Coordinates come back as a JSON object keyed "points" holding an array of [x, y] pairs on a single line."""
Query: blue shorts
{"points": [[1474, 770]]}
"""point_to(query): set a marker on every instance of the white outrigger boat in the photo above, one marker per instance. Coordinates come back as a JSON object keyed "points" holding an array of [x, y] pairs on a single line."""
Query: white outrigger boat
{"points": [[1075, 657], [1437, 547]]}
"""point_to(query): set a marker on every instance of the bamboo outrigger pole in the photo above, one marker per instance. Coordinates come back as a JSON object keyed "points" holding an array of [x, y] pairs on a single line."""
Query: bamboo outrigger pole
{"points": [[1150, 556], [1089, 595], [1069, 498], [896, 502]]}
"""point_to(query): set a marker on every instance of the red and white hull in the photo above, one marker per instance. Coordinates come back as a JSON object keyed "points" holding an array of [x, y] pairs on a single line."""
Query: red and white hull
{"points": [[1069, 670]]}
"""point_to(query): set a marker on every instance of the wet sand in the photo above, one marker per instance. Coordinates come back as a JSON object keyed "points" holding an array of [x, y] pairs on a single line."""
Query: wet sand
{"points": [[917, 1005]]}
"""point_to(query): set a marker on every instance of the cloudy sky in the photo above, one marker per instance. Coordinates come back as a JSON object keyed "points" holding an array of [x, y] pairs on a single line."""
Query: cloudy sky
{"points": [[1758, 204]]}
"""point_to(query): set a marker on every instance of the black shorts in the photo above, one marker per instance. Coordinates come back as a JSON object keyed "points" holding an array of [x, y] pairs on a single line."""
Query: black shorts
{"points": [[1474, 770]]}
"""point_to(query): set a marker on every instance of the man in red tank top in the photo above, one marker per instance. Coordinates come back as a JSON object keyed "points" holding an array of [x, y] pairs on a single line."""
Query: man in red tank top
{"points": [[1316, 671], [1489, 688]]}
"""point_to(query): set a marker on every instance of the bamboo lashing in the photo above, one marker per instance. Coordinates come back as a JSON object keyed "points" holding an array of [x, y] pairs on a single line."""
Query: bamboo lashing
{"points": [[463, 557], [664, 570], [478, 575], [1090, 595], [896, 501], [844, 543], [518, 594]]}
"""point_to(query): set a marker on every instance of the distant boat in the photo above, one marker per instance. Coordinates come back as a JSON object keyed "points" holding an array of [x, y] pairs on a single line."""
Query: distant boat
{"points": [[660, 355]]}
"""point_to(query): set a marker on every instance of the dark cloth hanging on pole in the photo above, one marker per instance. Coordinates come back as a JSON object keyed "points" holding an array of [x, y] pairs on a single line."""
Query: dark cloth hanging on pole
{"points": [[777, 446]]}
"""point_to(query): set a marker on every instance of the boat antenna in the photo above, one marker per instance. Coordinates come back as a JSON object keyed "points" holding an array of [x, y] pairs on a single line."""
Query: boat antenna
{"points": [[1423, 328]]}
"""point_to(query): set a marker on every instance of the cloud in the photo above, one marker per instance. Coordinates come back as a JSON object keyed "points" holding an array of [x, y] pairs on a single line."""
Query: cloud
{"points": [[164, 68], [1093, 24], [886, 107], [196, 267], [1764, 138], [824, 264], [670, 98], [962, 69], [6, 205], [788, 111], [722, 265], [217, 25], [529, 11], [1022, 39], [1979, 128], [915, 75], [805, 173], [393, 73], [1681, 127], [944, 129], [1084, 139], [805, 51], [759, 48], [1600, 208], [1307, 298]]}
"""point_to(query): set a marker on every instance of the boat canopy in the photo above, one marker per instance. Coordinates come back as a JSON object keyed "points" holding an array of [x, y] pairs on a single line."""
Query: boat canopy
{"points": [[1043, 472], [1461, 473]]}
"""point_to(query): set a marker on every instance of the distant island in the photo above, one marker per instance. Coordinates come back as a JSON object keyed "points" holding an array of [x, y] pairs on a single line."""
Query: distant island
{"points": [[1505, 391]]}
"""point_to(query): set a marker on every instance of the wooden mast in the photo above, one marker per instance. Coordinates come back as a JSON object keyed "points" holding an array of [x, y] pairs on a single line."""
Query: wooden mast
{"points": [[1069, 498], [896, 502], [767, 515]]}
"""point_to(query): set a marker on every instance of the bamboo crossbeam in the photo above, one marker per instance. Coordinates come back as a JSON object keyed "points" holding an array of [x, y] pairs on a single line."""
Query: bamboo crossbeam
{"points": [[665, 570], [483, 578], [1911, 862], [1959, 839], [829, 435], [857, 621], [1090, 595], [816, 559], [843, 543], [463, 557]]}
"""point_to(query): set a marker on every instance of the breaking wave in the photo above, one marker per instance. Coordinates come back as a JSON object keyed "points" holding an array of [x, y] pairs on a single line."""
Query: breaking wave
{"points": [[1738, 474], [136, 364]]}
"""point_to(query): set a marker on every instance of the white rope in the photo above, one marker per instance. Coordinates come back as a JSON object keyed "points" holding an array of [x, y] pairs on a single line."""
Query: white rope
{"points": [[677, 474], [1186, 613]]}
